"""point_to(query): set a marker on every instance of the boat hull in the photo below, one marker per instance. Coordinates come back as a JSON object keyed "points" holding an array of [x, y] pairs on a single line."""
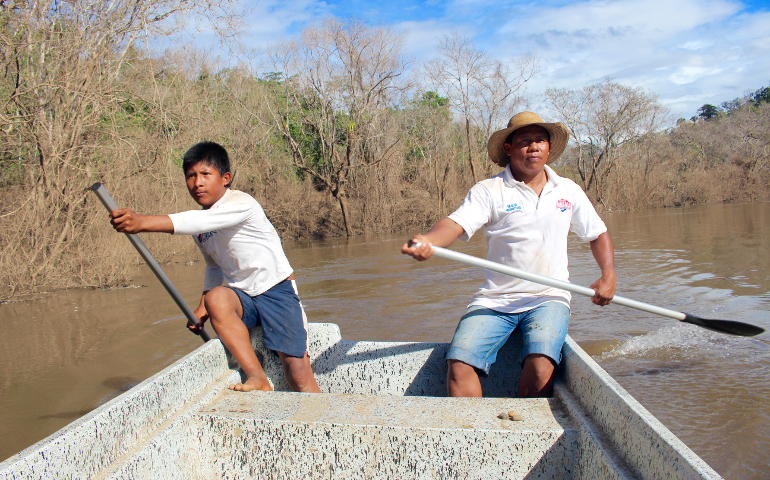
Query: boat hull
{"points": [[387, 417]]}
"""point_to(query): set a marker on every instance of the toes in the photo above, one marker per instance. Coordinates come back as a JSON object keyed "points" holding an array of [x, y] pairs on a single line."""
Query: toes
{"points": [[246, 387]]}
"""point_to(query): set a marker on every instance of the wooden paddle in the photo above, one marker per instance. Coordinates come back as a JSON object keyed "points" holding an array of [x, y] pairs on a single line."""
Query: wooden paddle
{"points": [[137, 242], [723, 326]]}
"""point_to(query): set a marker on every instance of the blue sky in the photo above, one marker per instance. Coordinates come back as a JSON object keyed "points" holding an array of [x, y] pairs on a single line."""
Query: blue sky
{"points": [[689, 52]]}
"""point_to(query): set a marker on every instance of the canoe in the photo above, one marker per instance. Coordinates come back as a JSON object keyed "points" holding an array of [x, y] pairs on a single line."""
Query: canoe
{"points": [[386, 417]]}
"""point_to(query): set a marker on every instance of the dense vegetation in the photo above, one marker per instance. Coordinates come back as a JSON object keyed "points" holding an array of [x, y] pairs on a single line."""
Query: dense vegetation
{"points": [[337, 132]]}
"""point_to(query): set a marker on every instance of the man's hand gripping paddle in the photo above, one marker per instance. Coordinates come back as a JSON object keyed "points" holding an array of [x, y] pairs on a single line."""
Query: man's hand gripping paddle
{"points": [[722, 326]]}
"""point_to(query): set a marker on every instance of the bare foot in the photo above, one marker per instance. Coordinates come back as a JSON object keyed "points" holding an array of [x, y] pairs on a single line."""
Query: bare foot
{"points": [[253, 383]]}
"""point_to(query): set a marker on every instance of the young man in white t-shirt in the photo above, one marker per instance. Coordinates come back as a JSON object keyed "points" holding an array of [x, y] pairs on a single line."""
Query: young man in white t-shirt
{"points": [[241, 248], [526, 213]]}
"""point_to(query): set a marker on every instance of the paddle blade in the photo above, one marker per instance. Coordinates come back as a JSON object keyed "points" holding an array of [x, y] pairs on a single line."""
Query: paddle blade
{"points": [[725, 326]]}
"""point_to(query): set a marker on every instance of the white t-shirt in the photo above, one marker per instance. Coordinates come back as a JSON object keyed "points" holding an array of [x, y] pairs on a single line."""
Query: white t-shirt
{"points": [[526, 232], [238, 242]]}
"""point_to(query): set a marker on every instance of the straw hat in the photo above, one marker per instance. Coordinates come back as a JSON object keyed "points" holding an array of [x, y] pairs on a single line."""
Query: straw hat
{"points": [[557, 132]]}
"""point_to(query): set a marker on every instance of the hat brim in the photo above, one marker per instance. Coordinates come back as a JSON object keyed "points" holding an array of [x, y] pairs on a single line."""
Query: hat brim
{"points": [[559, 136]]}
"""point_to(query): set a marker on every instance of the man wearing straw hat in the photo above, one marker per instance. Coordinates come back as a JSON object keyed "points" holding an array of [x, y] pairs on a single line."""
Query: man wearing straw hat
{"points": [[526, 213]]}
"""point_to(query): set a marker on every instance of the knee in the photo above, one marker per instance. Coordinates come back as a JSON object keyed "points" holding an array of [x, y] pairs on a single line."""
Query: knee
{"points": [[216, 294], [458, 371], [541, 366], [218, 301]]}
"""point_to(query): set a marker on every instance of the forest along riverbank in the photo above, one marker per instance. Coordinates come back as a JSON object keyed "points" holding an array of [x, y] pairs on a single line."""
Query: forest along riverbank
{"points": [[71, 351]]}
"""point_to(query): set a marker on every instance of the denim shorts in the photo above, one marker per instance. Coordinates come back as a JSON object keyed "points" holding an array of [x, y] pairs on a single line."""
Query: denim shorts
{"points": [[283, 320], [482, 332]]}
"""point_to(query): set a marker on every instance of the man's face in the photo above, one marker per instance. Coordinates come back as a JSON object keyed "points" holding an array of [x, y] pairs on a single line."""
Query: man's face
{"points": [[529, 149], [205, 184]]}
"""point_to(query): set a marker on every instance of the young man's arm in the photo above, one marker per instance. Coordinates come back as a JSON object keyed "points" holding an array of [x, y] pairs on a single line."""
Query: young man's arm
{"points": [[201, 314], [443, 233], [604, 254], [212, 279], [126, 221]]}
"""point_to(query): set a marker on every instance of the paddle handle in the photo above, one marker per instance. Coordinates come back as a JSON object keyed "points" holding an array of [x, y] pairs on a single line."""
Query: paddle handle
{"points": [[551, 282], [138, 244]]}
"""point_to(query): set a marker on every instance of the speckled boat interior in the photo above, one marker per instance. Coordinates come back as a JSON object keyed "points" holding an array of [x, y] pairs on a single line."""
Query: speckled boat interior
{"points": [[386, 416]]}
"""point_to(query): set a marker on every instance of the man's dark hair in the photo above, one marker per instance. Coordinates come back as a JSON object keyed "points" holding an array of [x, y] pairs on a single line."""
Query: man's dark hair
{"points": [[213, 154]]}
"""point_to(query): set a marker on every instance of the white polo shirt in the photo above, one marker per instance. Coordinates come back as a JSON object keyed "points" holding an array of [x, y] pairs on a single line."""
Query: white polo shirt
{"points": [[526, 232], [238, 242]]}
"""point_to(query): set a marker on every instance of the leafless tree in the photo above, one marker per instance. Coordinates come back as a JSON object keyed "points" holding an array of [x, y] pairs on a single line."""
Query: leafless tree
{"points": [[602, 118], [482, 91], [740, 139], [335, 81], [64, 62]]}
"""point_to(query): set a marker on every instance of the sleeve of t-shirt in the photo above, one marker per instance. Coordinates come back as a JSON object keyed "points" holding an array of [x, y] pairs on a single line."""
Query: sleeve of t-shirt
{"points": [[475, 211], [586, 223], [226, 215]]}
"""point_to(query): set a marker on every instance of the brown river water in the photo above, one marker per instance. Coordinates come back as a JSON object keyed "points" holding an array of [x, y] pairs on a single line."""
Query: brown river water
{"points": [[69, 352]]}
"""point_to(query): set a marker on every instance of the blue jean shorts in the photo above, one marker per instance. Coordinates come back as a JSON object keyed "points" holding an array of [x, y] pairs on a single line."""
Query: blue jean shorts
{"points": [[283, 320], [482, 332]]}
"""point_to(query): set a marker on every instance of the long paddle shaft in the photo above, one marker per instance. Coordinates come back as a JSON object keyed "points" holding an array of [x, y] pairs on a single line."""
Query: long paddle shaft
{"points": [[137, 242], [724, 326]]}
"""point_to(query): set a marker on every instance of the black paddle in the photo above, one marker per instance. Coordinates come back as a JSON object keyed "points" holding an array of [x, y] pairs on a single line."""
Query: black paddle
{"points": [[137, 242], [723, 326]]}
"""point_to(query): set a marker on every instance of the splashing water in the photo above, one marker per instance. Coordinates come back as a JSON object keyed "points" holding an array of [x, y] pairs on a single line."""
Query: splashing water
{"points": [[674, 342]]}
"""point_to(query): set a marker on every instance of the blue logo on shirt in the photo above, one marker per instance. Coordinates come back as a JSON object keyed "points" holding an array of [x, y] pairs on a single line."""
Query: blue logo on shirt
{"points": [[202, 237], [513, 206]]}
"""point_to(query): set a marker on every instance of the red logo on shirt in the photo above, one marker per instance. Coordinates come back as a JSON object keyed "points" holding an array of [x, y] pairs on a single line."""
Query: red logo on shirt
{"points": [[563, 205]]}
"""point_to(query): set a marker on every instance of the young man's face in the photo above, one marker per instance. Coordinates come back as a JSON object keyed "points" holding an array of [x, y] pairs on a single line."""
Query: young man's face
{"points": [[205, 184], [529, 149]]}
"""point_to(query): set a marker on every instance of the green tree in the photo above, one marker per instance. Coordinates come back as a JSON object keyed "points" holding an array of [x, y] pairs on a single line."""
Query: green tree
{"points": [[433, 99], [432, 145], [340, 79], [761, 96], [708, 111]]}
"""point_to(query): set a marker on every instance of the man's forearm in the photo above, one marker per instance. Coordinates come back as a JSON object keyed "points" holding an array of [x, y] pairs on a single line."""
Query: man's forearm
{"points": [[604, 254], [444, 232], [157, 223], [125, 220]]}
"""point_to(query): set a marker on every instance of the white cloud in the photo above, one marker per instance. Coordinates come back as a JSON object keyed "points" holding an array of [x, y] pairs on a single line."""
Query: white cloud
{"points": [[424, 37], [687, 74], [673, 48], [629, 18], [272, 20], [697, 45], [689, 52]]}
